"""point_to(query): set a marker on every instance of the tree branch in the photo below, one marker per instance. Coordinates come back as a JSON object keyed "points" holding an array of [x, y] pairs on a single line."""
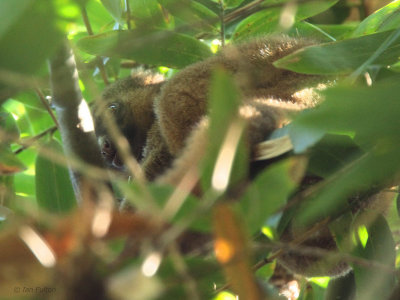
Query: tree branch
{"points": [[75, 120]]}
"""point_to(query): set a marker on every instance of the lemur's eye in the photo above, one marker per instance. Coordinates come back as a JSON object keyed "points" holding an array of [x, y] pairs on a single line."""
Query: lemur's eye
{"points": [[113, 107]]}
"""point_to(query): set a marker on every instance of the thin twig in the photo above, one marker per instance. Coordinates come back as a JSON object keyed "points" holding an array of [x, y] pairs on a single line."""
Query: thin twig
{"points": [[29, 142], [98, 60], [47, 106], [221, 16], [128, 14]]}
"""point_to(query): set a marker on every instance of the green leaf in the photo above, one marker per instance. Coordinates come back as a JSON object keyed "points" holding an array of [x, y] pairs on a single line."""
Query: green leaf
{"points": [[232, 3], [343, 56], [349, 109], [10, 11], [28, 34], [358, 181], [185, 211], [30, 99], [331, 154], [206, 272], [100, 18], [268, 20], [268, 192], [162, 48], [147, 13], [342, 288], [225, 133], [191, 13], [376, 282], [386, 18], [323, 33], [53, 186], [115, 8]]}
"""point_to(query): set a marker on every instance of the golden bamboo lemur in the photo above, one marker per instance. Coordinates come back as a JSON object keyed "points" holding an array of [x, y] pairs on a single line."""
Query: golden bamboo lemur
{"points": [[157, 118], [166, 122]]}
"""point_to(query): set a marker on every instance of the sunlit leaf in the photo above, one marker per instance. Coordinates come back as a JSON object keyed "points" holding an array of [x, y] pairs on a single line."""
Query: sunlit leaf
{"points": [[163, 48], [53, 186], [191, 14], [386, 18], [376, 282], [360, 103], [343, 56], [100, 18], [268, 20]]}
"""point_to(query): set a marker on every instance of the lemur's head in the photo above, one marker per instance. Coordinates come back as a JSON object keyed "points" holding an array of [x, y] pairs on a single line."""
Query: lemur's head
{"points": [[130, 103]]}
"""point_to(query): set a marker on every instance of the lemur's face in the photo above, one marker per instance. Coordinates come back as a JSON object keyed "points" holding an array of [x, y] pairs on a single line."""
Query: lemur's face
{"points": [[107, 147], [129, 103]]}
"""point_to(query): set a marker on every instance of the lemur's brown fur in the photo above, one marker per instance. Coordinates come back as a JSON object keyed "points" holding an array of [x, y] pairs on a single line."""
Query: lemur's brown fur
{"points": [[157, 118], [166, 122]]}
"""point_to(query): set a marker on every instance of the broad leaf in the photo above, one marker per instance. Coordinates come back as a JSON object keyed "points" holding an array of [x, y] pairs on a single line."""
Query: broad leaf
{"points": [[232, 3], [331, 154], [34, 20], [162, 48], [53, 186], [115, 8], [270, 191], [268, 20], [378, 138], [191, 14], [147, 13], [322, 33], [341, 288], [376, 282], [343, 56], [386, 18], [361, 104]]}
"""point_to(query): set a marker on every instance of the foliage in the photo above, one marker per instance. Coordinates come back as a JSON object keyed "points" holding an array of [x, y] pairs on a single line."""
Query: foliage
{"points": [[350, 141]]}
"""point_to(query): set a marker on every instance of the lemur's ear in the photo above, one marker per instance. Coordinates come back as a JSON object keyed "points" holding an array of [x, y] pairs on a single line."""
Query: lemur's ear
{"points": [[146, 76]]}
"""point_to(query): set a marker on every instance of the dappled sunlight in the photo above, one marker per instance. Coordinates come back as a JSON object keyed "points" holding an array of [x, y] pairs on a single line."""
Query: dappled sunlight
{"points": [[38, 246]]}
